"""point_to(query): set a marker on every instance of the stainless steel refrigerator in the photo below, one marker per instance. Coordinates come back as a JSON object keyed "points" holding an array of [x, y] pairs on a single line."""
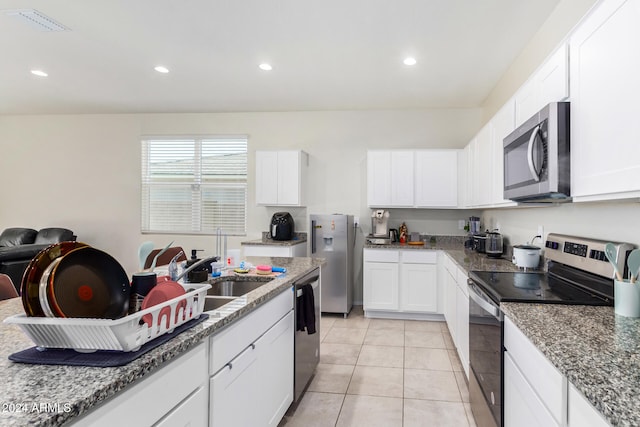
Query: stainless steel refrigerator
{"points": [[333, 238]]}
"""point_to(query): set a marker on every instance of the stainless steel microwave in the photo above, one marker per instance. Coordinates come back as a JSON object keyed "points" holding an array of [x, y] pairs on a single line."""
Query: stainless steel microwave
{"points": [[537, 157]]}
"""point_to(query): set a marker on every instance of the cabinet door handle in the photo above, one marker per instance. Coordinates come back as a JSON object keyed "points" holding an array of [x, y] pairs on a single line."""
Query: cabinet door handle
{"points": [[230, 365], [253, 346]]}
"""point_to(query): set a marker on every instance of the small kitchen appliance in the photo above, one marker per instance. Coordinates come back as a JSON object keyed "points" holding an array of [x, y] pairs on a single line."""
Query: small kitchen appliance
{"points": [[577, 273], [537, 157], [526, 256], [494, 245], [282, 226], [480, 242], [379, 228]]}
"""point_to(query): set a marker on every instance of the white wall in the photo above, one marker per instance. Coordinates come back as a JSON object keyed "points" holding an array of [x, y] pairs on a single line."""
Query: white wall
{"points": [[606, 221], [83, 171]]}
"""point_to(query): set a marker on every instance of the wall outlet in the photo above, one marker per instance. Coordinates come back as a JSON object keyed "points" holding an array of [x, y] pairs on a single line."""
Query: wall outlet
{"points": [[541, 232], [461, 224]]}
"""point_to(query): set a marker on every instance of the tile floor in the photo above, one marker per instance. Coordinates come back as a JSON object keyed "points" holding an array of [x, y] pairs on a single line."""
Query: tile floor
{"points": [[389, 373]]}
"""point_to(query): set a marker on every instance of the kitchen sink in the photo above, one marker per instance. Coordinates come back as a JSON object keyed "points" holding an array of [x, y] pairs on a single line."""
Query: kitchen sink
{"points": [[235, 287], [212, 303]]}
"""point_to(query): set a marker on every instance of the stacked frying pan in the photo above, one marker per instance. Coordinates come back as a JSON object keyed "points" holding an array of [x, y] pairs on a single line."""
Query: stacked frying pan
{"points": [[73, 279]]}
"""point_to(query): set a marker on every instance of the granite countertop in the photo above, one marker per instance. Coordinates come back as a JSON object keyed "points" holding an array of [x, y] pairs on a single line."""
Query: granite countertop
{"points": [[26, 389], [597, 350], [298, 238]]}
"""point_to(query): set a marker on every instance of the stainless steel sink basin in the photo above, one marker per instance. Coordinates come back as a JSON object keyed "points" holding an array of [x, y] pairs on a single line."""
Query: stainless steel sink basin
{"points": [[235, 287], [212, 303]]}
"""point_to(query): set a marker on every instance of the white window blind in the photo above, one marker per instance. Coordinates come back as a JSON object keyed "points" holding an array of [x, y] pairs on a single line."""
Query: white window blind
{"points": [[194, 185]]}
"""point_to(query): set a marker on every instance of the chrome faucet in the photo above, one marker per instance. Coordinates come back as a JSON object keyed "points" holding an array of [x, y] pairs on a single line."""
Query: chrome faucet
{"points": [[197, 264]]}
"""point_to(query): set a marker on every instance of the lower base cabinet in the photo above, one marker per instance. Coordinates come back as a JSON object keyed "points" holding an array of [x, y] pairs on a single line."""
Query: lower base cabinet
{"points": [[582, 413], [456, 309], [175, 395], [254, 387]]}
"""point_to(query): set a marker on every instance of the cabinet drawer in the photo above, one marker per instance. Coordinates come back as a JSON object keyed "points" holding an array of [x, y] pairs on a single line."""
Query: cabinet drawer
{"points": [[381, 255], [450, 265], [461, 278], [225, 345], [544, 378], [582, 413], [191, 412], [419, 256]]}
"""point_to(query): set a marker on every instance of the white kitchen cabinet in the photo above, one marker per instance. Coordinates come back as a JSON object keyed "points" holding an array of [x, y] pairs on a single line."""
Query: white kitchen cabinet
{"points": [[165, 393], [281, 177], [582, 413], [462, 320], [419, 286], [412, 178], [450, 304], [544, 381], [436, 178], [380, 279], [297, 250], [550, 83], [502, 124], [464, 178], [400, 283], [261, 374], [605, 151], [483, 167], [252, 361], [522, 406], [390, 180]]}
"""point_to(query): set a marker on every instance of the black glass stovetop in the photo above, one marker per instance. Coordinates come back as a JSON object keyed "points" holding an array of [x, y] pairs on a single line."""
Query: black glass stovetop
{"points": [[536, 287]]}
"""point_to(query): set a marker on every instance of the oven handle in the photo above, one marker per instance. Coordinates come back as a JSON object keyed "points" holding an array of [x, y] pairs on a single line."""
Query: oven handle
{"points": [[532, 166], [478, 297]]}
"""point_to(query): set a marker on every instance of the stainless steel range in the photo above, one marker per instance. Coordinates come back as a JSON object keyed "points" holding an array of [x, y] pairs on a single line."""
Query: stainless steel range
{"points": [[577, 272]]}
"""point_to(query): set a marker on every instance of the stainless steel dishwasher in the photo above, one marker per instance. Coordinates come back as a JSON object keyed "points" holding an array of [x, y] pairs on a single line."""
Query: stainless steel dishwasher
{"points": [[307, 346]]}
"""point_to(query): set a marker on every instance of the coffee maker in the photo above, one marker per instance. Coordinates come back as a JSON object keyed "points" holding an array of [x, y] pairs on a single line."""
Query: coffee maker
{"points": [[380, 223], [379, 228]]}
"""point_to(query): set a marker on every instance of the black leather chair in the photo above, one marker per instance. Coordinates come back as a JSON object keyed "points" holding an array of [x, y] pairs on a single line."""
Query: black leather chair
{"points": [[18, 246]]}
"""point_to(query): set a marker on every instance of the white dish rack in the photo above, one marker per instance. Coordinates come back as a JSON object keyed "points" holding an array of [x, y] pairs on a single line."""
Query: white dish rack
{"points": [[128, 333]]}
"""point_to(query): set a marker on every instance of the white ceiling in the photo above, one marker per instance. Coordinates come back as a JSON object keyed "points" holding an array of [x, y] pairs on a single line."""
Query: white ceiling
{"points": [[326, 55]]}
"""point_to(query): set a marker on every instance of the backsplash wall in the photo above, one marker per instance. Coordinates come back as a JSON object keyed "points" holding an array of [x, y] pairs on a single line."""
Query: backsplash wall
{"points": [[607, 221]]}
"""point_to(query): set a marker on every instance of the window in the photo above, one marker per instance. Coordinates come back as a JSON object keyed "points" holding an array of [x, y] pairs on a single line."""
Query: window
{"points": [[194, 185]]}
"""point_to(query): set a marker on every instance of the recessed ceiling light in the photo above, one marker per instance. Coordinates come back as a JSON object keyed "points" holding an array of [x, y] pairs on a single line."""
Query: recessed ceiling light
{"points": [[161, 69], [39, 73], [409, 61], [265, 67]]}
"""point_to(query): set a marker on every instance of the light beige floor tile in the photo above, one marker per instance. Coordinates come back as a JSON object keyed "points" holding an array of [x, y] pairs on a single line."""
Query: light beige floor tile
{"points": [[323, 333], [431, 385], [461, 379], [418, 413], [422, 325], [392, 337], [316, 410], [448, 342], [356, 322], [387, 324], [376, 381], [384, 356], [445, 328], [472, 420], [339, 354], [345, 336], [455, 360], [424, 339], [435, 359], [326, 322], [370, 411], [331, 378]]}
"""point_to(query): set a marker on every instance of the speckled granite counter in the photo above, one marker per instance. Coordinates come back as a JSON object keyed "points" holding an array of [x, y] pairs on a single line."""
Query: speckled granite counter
{"points": [[597, 350], [75, 390], [298, 238]]}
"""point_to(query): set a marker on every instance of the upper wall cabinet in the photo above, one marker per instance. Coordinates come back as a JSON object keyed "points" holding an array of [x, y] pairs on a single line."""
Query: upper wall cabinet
{"points": [[281, 177], [436, 180], [412, 179], [390, 178], [502, 124], [605, 150], [550, 83]]}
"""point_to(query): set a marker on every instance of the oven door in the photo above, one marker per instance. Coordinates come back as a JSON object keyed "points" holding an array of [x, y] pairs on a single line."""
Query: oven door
{"points": [[485, 358]]}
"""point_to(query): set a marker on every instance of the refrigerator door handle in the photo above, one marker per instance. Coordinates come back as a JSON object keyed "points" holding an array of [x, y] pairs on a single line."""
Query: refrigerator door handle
{"points": [[313, 237]]}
